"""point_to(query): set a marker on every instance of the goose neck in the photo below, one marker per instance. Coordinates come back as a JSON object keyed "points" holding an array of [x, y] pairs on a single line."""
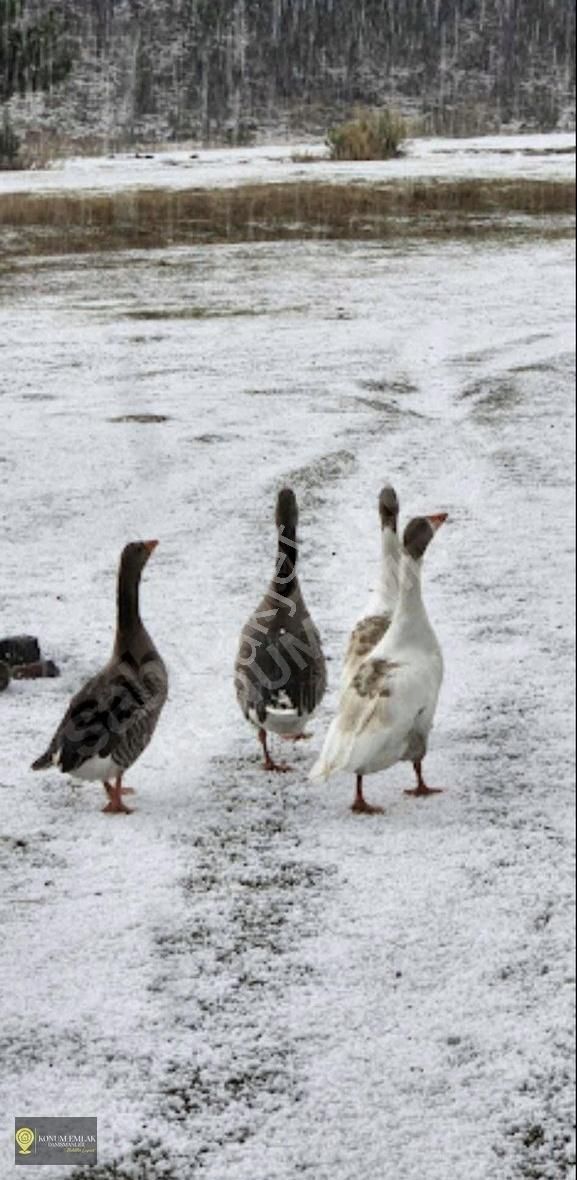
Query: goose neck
{"points": [[410, 616], [287, 557], [128, 605], [390, 567]]}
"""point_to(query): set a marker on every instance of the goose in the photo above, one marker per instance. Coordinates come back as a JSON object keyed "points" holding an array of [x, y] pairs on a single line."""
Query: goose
{"points": [[112, 719], [386, 712], [280, 671], [376, 619]]}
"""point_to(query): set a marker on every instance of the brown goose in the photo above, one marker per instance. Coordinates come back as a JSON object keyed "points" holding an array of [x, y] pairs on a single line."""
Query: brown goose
{"points": [[280, 672], [111, 720], [379, 611]]}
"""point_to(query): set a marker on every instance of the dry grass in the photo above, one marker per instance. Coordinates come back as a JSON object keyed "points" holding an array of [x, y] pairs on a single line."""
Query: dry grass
{"points": [[371, 135], [40, 148], [71, 223]]}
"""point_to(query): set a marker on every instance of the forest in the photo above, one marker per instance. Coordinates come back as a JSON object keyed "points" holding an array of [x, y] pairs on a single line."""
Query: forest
{"points": [[218, 70]]}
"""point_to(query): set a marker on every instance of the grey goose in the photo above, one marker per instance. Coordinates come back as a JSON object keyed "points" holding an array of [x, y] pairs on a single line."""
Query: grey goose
{"points": [[280, 671], [110, 722]]}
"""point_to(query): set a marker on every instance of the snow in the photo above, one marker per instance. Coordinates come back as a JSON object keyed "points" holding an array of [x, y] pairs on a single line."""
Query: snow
{"points": [[243, 980], [546, 157]]}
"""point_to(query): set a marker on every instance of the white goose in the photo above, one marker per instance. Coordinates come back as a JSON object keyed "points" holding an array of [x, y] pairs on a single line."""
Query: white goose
{"points": [[377, 616], [386, 712]]}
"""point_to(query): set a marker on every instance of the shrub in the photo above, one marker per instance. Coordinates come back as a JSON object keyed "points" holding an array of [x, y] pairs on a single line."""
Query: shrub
{"points": [[371, 135]]}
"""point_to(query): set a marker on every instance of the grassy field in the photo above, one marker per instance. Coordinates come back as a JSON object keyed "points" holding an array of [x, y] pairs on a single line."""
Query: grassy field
{"points": [[146, 218]]}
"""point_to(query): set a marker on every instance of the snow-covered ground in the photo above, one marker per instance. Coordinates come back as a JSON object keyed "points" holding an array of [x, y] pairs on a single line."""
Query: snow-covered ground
{"points": [[542, 157], [242, 980]]}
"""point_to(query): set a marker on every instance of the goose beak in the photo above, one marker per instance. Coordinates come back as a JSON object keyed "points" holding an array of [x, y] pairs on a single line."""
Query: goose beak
{"points": [[437, 520], [151, 546]]}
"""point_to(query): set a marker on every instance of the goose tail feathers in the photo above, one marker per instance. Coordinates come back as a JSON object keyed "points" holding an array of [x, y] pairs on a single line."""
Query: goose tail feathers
{"points": [[334, 756], [44, 762], [321, 771]]}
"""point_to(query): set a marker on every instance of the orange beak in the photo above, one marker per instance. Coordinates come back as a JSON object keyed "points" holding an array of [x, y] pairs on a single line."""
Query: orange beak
{"points": [[150, 545], [437, 520]]}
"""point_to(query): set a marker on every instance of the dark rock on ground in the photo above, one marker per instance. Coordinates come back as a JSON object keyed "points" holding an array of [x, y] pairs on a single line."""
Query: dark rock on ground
{"points": [[19, 649]]}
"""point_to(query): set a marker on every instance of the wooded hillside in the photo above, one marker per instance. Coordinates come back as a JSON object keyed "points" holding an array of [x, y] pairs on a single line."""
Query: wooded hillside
{"points": [[147, 69]]}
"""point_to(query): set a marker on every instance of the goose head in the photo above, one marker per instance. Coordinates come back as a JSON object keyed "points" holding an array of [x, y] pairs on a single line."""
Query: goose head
{"points": [[389, 508], [134, 558], [420, 532], [287, 512], [132, 562]]}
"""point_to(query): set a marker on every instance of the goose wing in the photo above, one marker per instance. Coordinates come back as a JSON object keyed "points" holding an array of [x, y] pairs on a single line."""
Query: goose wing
{"points": [[364, 639], [280, 663], [113, 716], [368, 722]]}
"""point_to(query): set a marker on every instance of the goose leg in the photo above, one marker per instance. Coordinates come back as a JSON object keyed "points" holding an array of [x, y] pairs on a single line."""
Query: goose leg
{"points": [[269, 764], [360, 805], [115, 804], [422, 789]]}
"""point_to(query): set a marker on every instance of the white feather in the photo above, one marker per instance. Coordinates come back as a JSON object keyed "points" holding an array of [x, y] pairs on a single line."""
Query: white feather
{"points": [[284, 722], [96, 770]]}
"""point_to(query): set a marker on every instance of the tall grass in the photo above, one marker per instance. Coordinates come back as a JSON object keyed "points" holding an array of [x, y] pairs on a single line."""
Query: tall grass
{"points": [[371, 135], [76, 223]]}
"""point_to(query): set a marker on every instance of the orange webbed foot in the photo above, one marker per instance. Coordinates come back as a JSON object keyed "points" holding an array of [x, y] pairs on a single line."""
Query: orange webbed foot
{"points": [[361, 807], [113, 809], [271, 767]]}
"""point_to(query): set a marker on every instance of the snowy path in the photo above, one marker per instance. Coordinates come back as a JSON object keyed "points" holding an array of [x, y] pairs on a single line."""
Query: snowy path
{"points": [[242, 981]]}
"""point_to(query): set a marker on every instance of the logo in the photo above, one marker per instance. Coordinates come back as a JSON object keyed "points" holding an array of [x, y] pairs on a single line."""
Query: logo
{"points": [[24, 1138], [64, 1141]]}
